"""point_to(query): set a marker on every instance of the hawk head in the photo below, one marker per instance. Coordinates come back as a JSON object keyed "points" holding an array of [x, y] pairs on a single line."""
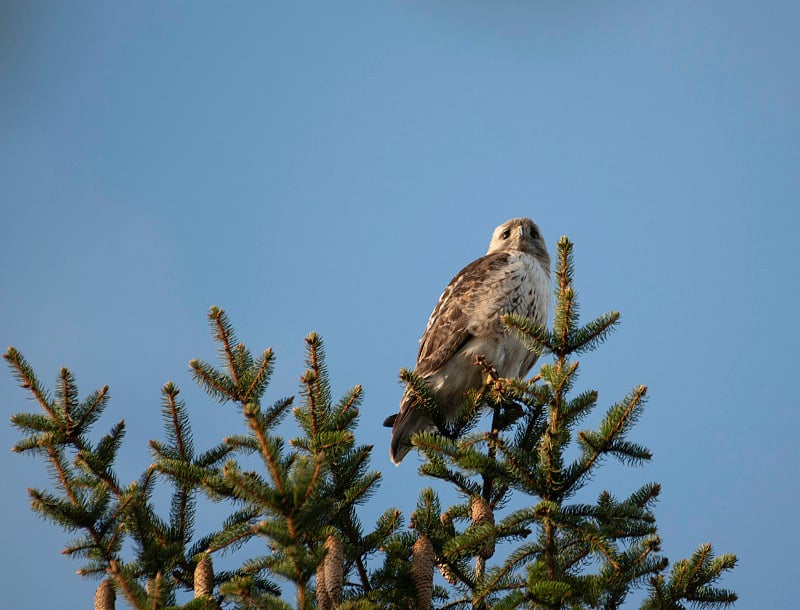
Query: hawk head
{"points": [[520, 234]]}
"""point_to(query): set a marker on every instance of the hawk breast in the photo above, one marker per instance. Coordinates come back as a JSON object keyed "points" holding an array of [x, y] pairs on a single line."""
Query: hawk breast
{"points": [[469, 310]]}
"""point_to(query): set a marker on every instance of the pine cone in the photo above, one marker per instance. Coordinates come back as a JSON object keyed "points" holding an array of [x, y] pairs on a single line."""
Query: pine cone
{"points": [[422, 561], [334, 569], [446, 520], [204, 577], [480, 512], [105, 596], [444, 570], [323, 601]]}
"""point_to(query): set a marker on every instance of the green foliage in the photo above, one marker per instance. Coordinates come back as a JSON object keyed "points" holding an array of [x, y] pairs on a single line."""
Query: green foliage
{"points": [[692, 580], [520, 535]]}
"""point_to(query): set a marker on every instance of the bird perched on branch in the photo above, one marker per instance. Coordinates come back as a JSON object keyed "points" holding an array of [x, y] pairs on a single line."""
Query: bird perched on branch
{"points": [[513, 277]]}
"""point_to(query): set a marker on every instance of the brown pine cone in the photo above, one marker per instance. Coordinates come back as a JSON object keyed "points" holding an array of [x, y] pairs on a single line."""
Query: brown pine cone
{"points": [[334, 569], [204, 577], [105, 596], [423, 559], [323, 601], [480, 512]]}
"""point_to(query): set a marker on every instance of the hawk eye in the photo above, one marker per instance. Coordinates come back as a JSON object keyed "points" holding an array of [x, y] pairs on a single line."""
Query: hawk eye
{"points": [[506, 234], [534, 233]]}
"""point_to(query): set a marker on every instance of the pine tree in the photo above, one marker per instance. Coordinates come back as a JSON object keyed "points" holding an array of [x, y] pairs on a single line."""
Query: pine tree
{"points": [[518, 537]]}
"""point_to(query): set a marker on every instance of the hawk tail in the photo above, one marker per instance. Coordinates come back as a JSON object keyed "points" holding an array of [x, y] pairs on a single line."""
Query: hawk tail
{"points": [[405, 425]]}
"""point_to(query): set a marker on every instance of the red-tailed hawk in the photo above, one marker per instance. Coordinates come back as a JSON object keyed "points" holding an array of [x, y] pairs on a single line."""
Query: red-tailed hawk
{"points": [[513, 277]]}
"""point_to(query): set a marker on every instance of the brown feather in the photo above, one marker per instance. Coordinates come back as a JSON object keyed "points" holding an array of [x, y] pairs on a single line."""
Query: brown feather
{"points": [[452, 324]]}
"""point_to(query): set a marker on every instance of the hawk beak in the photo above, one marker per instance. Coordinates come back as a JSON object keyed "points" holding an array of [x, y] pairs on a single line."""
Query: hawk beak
{"points": [[521, 231]]}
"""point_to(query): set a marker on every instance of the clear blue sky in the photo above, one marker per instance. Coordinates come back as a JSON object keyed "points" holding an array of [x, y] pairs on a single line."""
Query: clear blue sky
{"points": [[330, 166]]}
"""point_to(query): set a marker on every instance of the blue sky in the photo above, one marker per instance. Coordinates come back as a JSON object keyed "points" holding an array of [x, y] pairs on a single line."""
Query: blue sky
{"points": [[330, 166]]}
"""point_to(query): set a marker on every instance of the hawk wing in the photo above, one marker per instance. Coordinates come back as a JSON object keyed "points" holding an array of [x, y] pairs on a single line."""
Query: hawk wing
{"points": [[478, 286]]}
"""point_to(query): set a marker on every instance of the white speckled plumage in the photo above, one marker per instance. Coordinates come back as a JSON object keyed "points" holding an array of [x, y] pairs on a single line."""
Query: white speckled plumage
{"points": [[512, 277]]}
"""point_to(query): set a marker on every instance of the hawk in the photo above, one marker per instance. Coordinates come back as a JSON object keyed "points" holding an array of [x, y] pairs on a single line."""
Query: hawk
{"points": [[512, 277]]}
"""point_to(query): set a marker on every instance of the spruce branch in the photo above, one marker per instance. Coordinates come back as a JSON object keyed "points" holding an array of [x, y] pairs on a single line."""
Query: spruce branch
{"points": [[261, 373], [223, 333], [565, 314], [693, 580], [216, 384], [27, 379], [66, 399], [595, 332], [533, 336], [176, 422], [618, 420]]}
